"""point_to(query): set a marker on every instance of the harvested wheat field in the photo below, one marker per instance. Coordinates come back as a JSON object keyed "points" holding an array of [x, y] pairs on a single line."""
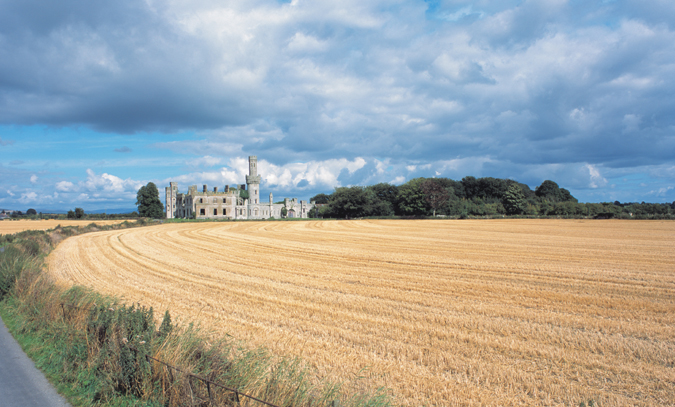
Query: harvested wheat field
{"points": [[14, 226], [442, 312]]}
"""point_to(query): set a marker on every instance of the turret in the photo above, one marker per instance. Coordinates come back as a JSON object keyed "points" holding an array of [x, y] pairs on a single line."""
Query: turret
{"points": [[253, 180]]}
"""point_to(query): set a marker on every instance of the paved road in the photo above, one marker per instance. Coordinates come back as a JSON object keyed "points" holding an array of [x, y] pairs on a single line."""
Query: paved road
{"points": [[21, 383]]}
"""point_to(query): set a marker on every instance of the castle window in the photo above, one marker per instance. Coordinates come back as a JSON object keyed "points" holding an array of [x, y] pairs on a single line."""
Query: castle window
{"points": [[202, 212], [215, 211], [224, 200], [201, 200]]}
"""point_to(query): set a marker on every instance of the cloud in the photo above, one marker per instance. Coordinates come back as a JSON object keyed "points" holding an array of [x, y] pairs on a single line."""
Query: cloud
{"points": [[6, 142], [661, 192], [208, 161], [28, 197], [65, 186], [596, 180], [493, 88], [33, 179]]}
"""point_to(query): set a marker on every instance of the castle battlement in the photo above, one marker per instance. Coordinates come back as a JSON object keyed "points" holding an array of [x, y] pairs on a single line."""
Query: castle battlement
{"points": [[228, 203]]}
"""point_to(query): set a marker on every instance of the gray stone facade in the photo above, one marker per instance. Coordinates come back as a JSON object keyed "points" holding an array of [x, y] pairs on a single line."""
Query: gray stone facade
{"points": [[228, 204]]}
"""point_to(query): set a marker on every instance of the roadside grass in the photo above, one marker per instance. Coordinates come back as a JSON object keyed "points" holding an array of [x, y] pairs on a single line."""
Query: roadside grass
{"points": [[93, 347]]}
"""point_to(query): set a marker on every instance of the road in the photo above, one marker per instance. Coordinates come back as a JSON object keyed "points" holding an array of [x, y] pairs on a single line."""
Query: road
{"points": [[21, 383]]}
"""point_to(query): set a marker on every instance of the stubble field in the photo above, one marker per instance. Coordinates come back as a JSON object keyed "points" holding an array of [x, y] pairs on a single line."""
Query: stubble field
{"points": [[14, 226], [471, 312]]}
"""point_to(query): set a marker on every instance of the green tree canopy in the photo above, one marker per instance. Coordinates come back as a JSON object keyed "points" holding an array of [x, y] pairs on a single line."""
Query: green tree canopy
{"points": [[71, 214], [550, 191], [514, 200], [320, 199], [350, 202], [31, 211], [147, 200], [79, 213], [385, 192], [411, 198]]}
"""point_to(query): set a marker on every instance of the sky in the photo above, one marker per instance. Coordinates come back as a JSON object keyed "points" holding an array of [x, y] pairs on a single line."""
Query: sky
{"points": [[98, 98]]}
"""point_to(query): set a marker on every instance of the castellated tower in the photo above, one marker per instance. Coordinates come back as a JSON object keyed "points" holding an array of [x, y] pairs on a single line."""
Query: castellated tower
{"points": [[170, 200], [253, 180]]}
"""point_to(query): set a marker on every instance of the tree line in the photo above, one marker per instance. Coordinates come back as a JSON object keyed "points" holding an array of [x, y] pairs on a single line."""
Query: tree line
{"points": [[475, 197]]}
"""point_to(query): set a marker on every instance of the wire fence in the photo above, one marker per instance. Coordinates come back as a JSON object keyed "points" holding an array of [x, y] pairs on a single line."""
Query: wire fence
{"points": [[202, 399]]}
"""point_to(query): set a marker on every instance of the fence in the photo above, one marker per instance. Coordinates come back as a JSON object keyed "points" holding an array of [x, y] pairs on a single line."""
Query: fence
{"points": [[204, 399]]}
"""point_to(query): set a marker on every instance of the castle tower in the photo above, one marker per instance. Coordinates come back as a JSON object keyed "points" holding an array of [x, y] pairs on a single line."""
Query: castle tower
{"points": [[253, 180], [170, 200]]}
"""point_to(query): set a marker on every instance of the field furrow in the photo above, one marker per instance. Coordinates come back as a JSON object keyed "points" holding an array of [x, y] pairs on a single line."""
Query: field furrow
{"points": [[489, 312]]}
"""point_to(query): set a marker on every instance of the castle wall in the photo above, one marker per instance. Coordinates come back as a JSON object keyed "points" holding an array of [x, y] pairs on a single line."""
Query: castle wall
{"points": [[227, 204]]}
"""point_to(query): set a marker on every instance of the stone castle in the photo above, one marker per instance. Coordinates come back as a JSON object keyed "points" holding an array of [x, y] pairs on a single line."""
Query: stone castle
{"points": [[229, 204]]}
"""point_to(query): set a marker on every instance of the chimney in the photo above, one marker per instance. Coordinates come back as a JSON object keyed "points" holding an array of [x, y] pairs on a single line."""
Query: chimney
{"points": [[215, 189], [205, 188], [227, 188]]}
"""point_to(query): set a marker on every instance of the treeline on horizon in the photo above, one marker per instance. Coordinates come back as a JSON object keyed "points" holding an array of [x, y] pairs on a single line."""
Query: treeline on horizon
{"points": [[77, 214], [474, 197]]}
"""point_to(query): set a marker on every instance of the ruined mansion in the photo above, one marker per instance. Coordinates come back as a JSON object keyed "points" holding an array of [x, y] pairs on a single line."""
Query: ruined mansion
{"points": [[229, 204]]}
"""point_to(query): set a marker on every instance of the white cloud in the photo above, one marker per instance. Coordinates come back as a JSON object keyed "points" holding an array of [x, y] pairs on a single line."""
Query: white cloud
{"points": [[596, 179], [65, 186], [661, 192], [33, 179], [306, 43], [28, 197], [208, 161]]}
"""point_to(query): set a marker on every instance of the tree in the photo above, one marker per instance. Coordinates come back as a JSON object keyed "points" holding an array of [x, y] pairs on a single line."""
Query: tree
{"points": [[31, 211], [435, 194], [411, 198], [71, 214], [514, 200], [147, 200], [350, 202], [284, 212], [385, 192], [320, 199], [79, 213]]}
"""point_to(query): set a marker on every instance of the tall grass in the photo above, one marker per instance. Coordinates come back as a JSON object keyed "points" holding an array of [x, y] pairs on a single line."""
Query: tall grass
{"points": [[94, 346]]}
